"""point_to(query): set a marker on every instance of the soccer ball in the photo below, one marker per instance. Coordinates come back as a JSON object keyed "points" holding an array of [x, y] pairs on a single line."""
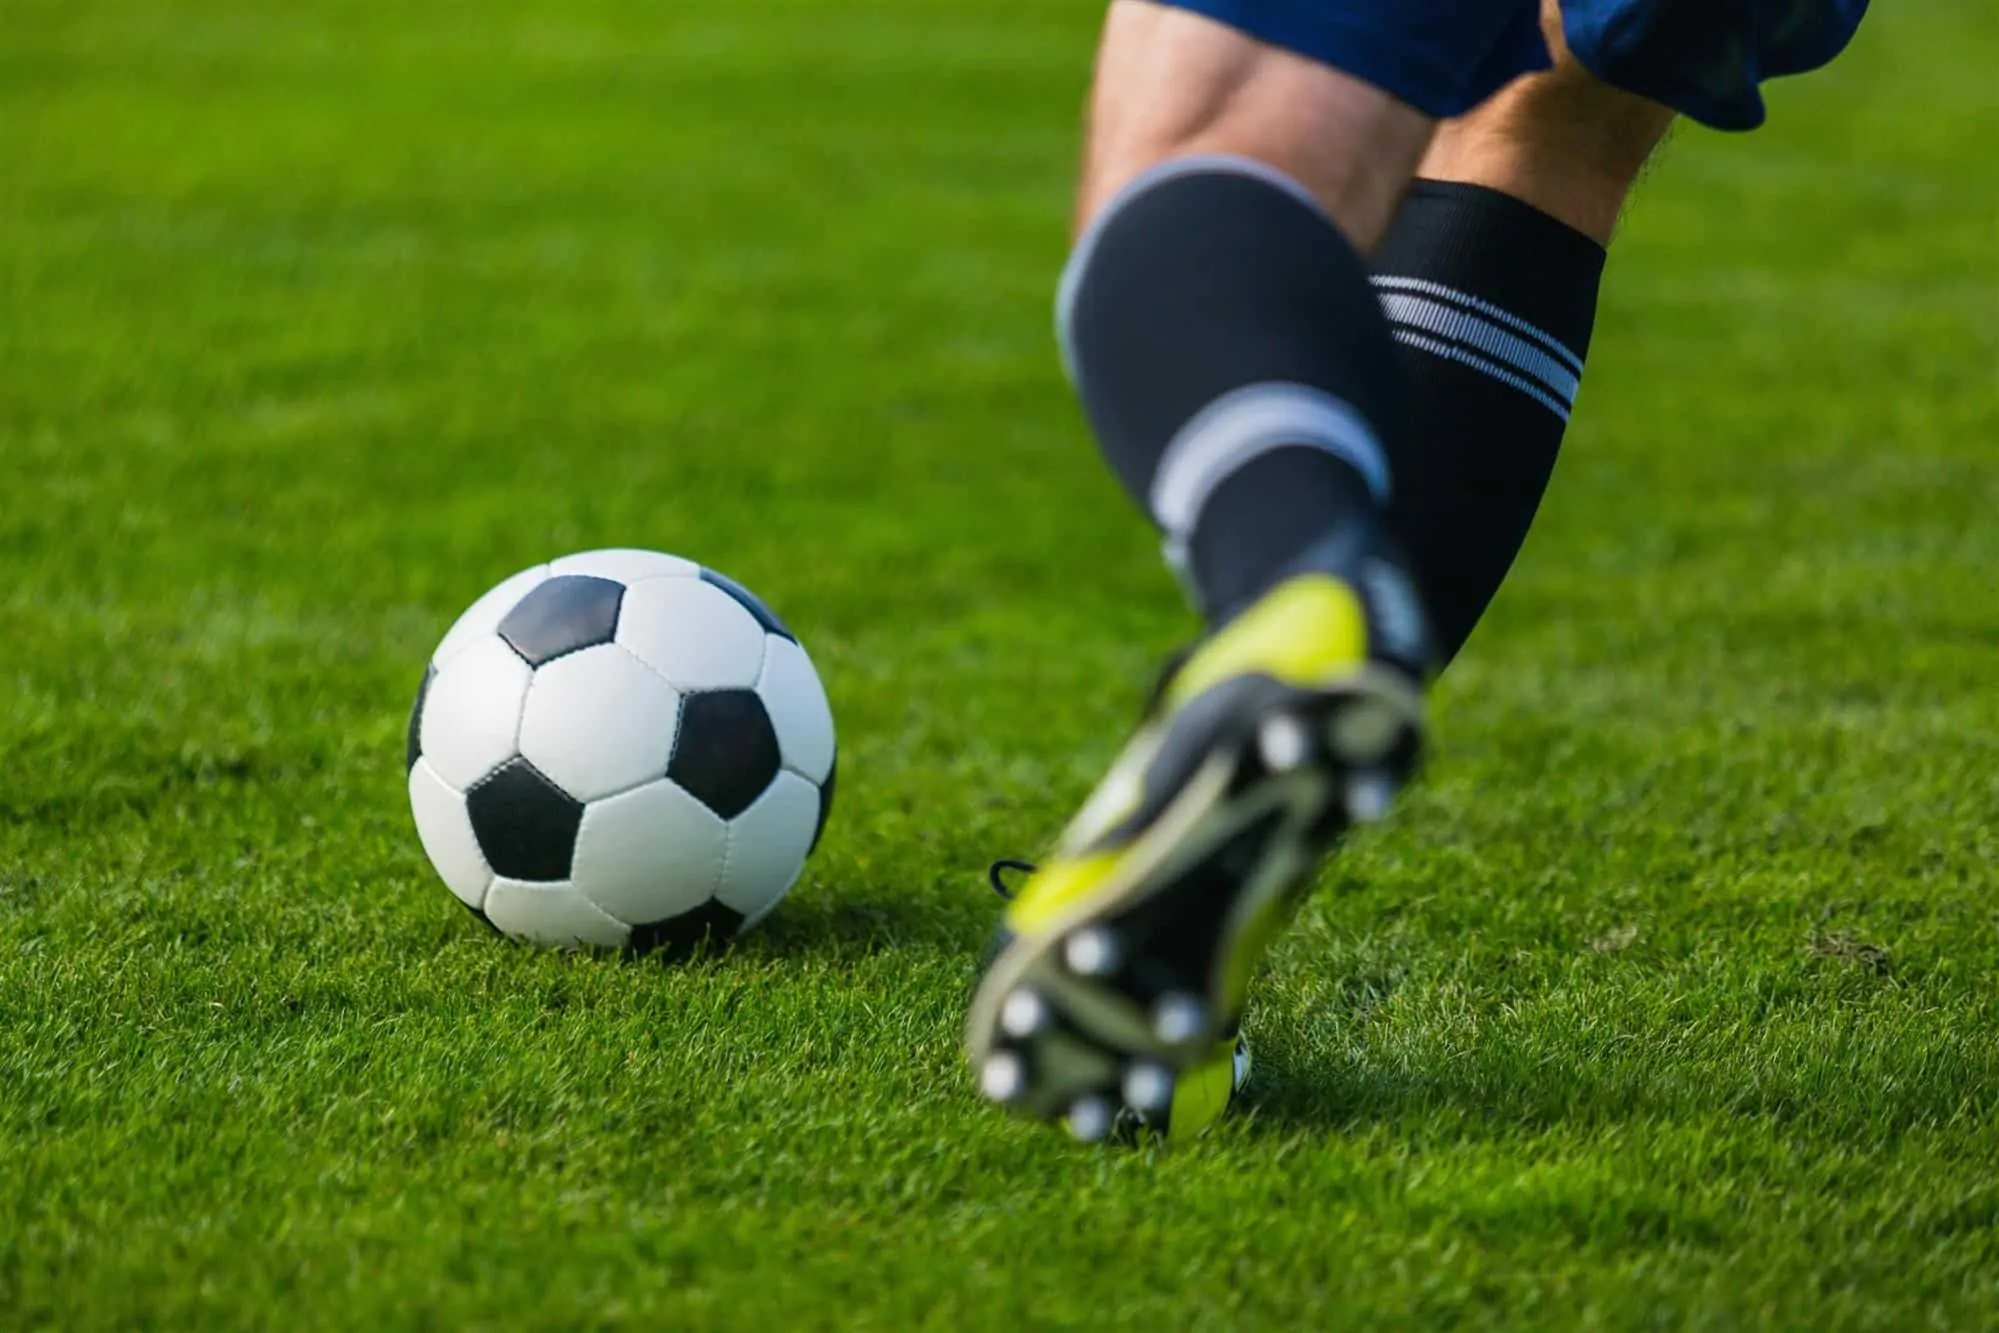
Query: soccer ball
{"points": [[621, 750]]}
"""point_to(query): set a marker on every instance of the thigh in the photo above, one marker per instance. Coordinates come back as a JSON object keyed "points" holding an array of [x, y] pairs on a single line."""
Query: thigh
{"points": [[1708, 58], [1177, 81]]}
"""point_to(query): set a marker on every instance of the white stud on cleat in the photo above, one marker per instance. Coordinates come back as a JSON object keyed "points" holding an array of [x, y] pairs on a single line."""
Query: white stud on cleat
{"points": [[1092, 951], [1369, 794], [1004, 1077], [1023, 1014], [1283, 743], [1178, 1018], [1148, 1088], [1090, 1119], [1364, 731]]}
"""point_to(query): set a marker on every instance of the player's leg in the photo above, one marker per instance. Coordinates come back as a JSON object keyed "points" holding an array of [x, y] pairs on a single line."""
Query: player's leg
{"points": [[1222, 331], [1489, 275], [1560, 140], [1229, 189], [1490, 269]]}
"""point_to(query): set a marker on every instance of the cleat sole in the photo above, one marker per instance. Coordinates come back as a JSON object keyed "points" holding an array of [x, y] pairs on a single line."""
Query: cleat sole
{"points": [[1179, 1018], [1284, 743], [1090, 1119], [1148, 1088], [1369, 796], [1003, 1077], [1115, 990], [1365, 732], [1024, 1014], [1092, 952]]}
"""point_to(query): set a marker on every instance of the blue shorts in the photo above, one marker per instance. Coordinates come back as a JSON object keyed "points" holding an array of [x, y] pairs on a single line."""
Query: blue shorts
{"points": [[1704, 58]]}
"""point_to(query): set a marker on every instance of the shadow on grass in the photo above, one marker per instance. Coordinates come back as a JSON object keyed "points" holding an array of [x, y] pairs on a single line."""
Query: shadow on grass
{"points": [[1283, 1099], [817, 926], [866, 922], [1487, 1096]]}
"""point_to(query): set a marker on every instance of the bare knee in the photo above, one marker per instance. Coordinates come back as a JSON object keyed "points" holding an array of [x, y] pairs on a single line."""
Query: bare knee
{"points": [[1563, 140], [1171, 84]]}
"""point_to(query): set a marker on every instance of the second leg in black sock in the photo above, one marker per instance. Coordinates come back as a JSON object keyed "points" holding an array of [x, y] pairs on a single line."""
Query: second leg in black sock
{"points": [[1492, 303]]}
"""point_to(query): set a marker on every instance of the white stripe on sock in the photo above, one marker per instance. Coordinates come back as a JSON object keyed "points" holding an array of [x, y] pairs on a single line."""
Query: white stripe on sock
{"points": [[1246, 423], [1423, 315], [1423, 287], [1464, 356]]}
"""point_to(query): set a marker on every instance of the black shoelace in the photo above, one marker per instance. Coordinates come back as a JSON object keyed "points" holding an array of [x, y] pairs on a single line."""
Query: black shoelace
{"points": [[997, 872]]}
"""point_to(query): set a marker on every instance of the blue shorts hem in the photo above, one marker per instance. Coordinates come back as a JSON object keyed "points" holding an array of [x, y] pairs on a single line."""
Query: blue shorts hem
{"points": [[1706, 59], [1438, 82]]}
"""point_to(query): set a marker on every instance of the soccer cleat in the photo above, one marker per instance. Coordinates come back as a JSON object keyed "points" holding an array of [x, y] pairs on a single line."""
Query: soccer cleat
{"points": [[1160, 1104], [1172, 1107], [1123, 964]]}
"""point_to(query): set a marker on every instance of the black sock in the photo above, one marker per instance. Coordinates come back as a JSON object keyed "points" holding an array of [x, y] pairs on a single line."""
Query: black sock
{"points": [[1238, 371], [1493, 302]]}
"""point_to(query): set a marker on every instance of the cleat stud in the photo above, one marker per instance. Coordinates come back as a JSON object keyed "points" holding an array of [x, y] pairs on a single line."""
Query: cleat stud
{"points": [[1178, 1018], [1090, 1119], [1092, 952], [1283, 743], [1023, 1014], [1003, 1078], [1148, 1089], [1369, 794], [1365, 731]]}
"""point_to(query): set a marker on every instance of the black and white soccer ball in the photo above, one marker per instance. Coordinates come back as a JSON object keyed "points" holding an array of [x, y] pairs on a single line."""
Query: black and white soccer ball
{"points": [[621, 750]]}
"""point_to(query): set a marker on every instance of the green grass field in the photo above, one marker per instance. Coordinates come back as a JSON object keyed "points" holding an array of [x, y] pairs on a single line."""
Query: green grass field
{"points": [[1671, 999]]}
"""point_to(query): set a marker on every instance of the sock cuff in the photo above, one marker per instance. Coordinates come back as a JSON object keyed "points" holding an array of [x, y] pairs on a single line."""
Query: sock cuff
{"points": [[1173, 169], [1449, 231]]}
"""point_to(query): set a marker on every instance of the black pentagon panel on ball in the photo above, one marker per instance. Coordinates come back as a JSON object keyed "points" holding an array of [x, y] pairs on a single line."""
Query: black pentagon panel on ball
{"points": [[825, 804], [562, 616], [750, 603], [711, 923], [413, 745], [525, 824], [725, 754]]}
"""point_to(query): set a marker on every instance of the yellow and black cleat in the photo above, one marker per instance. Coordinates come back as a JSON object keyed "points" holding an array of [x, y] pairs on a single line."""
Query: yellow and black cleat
{"points": [[1201, 1094], [1125, 960], [1198, 1095]]}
